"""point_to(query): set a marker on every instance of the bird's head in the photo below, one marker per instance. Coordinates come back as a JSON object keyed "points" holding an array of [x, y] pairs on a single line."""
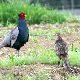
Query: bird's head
{"points": [[22, 15], [59, 36]]}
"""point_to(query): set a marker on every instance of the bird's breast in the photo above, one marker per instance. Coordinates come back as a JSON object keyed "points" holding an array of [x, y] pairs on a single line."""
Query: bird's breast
{"points": [[23, 33]]}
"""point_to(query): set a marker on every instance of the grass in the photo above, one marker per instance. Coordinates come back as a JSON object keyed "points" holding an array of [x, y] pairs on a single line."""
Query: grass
{"points": [[42, 75], [72, 77], [41, 55], [74, 57], [7, 77], [38, 53], [35, 13], [39, 76]]}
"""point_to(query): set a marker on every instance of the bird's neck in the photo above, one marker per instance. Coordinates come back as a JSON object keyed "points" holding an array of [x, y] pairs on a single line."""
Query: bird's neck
{"points": [[22, 23]]}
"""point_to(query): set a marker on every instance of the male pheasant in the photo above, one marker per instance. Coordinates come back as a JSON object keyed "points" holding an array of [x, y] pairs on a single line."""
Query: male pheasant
{"points": [[17, 37]]}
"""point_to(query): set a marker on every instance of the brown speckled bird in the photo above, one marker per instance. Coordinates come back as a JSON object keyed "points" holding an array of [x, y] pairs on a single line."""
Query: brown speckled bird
{"points": [[61, 49]]}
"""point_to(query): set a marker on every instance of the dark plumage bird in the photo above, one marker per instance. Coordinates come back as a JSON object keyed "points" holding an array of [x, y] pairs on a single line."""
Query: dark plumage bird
{"points": [[17, 37], [61, 49]]}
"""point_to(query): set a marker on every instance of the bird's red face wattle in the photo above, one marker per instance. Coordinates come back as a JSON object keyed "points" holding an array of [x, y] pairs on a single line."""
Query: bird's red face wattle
{"points": [[22, 15]]}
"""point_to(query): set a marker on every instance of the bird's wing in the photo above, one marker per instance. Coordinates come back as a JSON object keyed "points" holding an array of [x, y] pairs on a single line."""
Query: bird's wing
{"points": [[66, 47], [56, 47], [6, 40], [10, 37], [14, 35]]}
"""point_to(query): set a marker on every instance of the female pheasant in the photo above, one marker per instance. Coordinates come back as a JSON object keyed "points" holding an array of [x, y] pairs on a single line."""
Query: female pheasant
{"points": [[61, 49]]}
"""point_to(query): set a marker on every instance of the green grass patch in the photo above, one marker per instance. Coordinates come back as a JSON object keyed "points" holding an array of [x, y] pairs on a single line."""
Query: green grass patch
{"points": [[35, 13], [72, 77], [74, 57], [38, 54]]}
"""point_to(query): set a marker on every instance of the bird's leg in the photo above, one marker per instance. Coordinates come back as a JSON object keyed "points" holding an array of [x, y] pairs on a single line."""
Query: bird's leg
{"points": [[59, 62], [17, 52]]}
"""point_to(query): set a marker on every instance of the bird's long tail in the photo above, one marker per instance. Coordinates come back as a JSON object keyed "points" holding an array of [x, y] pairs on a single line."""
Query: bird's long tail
{"points": [[67, 65]]}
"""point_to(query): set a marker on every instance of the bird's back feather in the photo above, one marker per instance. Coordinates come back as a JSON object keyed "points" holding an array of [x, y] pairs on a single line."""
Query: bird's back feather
{"points": [[11, 37], [61, 47]]}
